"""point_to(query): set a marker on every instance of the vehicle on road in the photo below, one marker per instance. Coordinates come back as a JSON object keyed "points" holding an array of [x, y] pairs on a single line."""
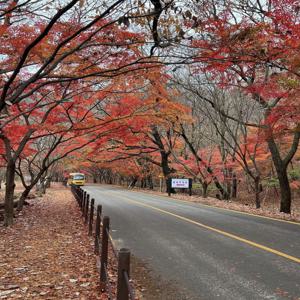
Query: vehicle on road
{"points": [[77, 179]]}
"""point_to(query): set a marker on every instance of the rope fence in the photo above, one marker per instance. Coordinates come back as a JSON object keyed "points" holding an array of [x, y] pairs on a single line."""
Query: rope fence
{"points": [[99, 227]]}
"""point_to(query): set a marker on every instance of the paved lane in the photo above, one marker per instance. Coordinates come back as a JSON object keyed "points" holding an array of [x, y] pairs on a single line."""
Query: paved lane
{"points": [[246, 258]]}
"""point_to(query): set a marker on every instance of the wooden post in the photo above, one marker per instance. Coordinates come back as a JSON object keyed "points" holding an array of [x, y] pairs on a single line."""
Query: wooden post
{"points": [[91, 219], [83, 202], [79, 197], [104, 252], [75, 195], [86, 211], [76, 191], [97, 229], [80, 193], [123, 267]]}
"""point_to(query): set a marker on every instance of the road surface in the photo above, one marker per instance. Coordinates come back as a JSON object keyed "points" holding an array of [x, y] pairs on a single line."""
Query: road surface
{"points": [[209, 253]]}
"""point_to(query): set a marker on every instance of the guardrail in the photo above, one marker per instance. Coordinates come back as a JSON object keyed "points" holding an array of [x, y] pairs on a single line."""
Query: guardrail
{"points": [[99, 226]]}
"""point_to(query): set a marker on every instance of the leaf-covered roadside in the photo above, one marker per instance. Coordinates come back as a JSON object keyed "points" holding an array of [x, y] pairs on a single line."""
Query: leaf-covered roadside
{"points": [[243, 204], [47, 253]]}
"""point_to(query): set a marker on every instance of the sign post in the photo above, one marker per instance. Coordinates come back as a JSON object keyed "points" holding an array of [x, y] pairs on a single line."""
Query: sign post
{"points": [[179, 183]]}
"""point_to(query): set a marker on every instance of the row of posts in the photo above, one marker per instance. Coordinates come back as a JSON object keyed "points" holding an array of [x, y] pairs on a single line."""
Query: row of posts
{"points": [[87, 207]]}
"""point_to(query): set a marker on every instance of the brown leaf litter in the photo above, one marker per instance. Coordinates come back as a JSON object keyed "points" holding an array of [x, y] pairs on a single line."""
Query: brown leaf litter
{"points": [[47, 254]]}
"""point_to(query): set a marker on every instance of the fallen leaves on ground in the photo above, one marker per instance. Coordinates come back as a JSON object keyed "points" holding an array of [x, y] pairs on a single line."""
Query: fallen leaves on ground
{"points": [[47, 254], [235, 204]]}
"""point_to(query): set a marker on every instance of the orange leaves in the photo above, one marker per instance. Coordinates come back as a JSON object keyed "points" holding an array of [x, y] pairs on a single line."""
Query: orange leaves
{"points": [[295, 184], [252, 49], [269, 90], [4, 31]]}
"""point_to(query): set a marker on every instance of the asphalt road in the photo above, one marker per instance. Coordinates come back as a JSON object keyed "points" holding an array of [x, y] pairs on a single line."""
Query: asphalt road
{"points": [[211, 253]]}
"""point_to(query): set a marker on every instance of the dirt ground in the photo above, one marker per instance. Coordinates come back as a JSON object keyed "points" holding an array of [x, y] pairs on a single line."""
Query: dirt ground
{"points": [[47, 254]]}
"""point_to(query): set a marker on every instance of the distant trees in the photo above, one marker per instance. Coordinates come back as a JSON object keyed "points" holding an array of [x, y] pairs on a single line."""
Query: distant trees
{"points": [[254, 46], [229, 122]]}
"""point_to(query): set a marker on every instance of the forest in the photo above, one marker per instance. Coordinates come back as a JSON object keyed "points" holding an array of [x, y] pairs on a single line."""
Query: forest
{"points": [[131, 91]]}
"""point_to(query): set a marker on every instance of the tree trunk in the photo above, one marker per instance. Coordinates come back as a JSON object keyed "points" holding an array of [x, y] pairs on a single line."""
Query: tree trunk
{"points": [[133, 182], [285, 192], [165, 164], [281, 172], [23, 198], [150, 182], [39, 187], [164, 155], [43, 187], [234, 187], [224, 194], [9, 194], [48, 183], [257, 192], [228, 181], [204, 189], [34, 182]]}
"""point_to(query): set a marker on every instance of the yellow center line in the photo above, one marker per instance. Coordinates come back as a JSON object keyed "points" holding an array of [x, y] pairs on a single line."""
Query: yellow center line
{"points": [[233, 236]]}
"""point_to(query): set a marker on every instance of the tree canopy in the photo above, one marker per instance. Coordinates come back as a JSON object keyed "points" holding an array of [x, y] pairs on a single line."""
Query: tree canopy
{"points": [[151, 88]]}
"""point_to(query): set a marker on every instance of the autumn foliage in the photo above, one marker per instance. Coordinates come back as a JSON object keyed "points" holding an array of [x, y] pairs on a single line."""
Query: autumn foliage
{"points": [[148, 94]]}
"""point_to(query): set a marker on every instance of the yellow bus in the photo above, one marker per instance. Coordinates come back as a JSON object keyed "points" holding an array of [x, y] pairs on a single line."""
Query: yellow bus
{"points": [[76, 179]]}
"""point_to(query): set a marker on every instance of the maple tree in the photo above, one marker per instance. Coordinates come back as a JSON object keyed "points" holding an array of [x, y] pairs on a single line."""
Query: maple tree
{"points": [[72, 126], [70, 44], [252, 156], [220, 120], [149, 137], [254, 46], [199, 167], [88, 75]]}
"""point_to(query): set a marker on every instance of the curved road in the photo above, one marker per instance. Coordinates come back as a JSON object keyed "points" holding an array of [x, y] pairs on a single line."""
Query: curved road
{"points": [[210, 252]]}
